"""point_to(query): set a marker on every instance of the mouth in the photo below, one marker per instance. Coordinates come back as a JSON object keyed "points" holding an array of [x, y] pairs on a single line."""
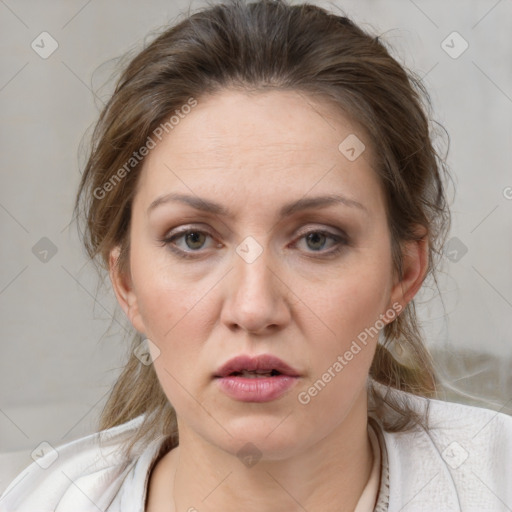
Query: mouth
{"points": [[256, 379], [262, 366], [255, 374]]}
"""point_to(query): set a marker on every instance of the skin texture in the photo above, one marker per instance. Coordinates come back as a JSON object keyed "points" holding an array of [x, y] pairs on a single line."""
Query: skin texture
{"points": [[254, 153]]}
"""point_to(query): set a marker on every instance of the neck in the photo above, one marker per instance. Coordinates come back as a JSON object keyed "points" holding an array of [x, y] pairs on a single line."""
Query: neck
{"points": [[328, 475]]}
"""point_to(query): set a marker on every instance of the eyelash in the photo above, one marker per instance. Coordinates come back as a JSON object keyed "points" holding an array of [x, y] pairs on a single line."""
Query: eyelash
{"points": [[167, 241]]}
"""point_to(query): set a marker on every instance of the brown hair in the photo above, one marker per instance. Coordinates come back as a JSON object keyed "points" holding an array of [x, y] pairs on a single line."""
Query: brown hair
{"points": [[270, 44]]}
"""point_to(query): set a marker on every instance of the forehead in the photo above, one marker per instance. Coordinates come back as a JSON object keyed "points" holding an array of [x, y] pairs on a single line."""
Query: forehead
{"points": [[237, 139]]}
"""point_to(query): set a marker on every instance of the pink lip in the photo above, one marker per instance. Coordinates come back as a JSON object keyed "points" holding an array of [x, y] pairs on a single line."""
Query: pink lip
{"points": [[259, 389], [262, 362]]}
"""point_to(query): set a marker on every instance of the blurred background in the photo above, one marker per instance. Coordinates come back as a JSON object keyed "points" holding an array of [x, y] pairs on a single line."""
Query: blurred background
{"points": [[64, 340]]}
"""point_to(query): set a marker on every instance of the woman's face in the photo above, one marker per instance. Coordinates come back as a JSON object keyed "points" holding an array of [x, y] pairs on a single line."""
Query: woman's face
{"points": [[258, 276]]}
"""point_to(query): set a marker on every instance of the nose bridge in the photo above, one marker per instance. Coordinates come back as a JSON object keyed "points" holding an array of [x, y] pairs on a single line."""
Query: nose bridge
{"points": [[254, 300], [253, 274]]}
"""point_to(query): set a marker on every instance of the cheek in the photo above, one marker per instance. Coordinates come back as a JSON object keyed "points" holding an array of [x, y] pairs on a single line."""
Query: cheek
{"points": [[350, 311], [341, 355], [175, 313], [173, 321], [164, 300], [354, 299]]}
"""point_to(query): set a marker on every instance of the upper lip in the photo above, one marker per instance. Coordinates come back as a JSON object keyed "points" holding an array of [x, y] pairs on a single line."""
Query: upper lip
{"points": [[262, 362]]}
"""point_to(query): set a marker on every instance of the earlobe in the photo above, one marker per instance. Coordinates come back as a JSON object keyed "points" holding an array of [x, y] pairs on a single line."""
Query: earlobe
{"points": [[124, 291], [415, 264]]}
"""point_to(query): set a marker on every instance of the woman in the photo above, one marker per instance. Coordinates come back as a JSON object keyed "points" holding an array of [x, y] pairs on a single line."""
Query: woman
{"points": [[264, 193]]}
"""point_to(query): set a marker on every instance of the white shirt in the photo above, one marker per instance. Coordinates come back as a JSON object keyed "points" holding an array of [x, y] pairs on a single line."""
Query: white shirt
{"points": [[463, 463]]}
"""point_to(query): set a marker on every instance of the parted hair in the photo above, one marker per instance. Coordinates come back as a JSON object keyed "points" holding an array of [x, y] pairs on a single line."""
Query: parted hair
{"points": [[273, 45]]}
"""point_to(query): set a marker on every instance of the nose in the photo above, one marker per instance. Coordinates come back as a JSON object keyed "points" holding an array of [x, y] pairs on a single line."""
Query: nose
{"points": [[256, 296]]}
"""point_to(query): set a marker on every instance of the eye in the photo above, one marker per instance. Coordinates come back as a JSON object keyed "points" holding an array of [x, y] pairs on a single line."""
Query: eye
{"points": [[193, 239], [316, 241]]}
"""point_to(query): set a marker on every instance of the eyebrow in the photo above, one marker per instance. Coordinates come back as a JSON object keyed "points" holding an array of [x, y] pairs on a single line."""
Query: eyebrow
{"points": [[304, 203]]}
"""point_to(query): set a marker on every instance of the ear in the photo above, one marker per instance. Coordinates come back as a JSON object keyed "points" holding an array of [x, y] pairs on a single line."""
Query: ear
{"points": [[124, 290], [415, 263]]}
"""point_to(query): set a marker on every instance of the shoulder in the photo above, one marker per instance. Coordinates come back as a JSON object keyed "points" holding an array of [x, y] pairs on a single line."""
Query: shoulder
{"points": [[462, 461], [87, 472], [451, 421]]}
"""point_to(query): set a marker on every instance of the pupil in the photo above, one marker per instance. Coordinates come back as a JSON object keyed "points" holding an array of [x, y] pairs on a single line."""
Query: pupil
{"points": [[312, 236], [193, 236]]}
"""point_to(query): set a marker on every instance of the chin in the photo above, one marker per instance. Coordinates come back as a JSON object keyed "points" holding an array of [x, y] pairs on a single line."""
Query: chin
{"points": [[267, 437]]}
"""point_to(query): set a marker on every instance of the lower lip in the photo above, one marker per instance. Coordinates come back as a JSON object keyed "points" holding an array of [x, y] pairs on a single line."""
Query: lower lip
{"points": [[259, 389]]}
